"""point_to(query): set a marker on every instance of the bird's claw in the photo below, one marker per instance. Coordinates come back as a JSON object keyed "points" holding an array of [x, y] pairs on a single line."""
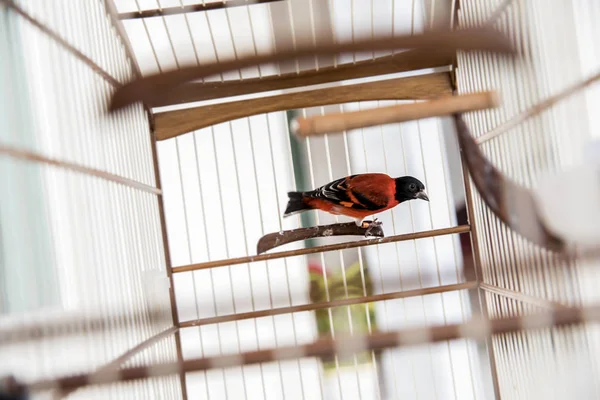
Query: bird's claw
{"points": [[372, 224]]}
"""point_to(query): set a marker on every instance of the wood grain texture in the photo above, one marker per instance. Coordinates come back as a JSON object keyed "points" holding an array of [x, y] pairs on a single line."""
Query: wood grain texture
{"points": [[339, 122], [151, 88], [410, 60], [276, 239], [174, 123]]}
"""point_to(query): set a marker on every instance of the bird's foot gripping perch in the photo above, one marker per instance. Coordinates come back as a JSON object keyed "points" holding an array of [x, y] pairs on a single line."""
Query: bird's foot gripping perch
{"points": [[371, 225]]}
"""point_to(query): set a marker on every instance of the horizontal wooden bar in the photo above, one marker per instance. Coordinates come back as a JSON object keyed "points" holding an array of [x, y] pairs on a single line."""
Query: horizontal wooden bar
{"points": [[411, 60], [191, 8], [31, 156], [174, 123], [330, 304], [339, 122], [151, 88], [320, 249], [341, 346], [537, 108], [522, 297]]}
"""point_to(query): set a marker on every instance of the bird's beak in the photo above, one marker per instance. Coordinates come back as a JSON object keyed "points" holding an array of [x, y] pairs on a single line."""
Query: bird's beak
{"points": [[422, 195]]}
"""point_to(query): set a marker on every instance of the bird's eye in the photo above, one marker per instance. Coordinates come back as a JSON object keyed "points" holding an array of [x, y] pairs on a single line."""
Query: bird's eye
{"points": [[412, 187]]}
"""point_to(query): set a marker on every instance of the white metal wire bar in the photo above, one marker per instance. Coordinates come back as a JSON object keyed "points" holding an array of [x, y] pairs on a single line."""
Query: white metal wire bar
{"points": [[78, 203], [291, 167], [62, 42], [19, 153], [539, 145]]}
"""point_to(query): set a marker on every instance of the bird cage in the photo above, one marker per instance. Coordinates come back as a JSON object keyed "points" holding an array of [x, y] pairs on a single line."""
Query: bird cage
{"points": [[147, 150]]}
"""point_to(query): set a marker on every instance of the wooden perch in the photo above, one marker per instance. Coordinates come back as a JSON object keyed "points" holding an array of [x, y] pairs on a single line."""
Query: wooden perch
{"points": [[276, 239], [150, 88], [319, 125], [512, 203]]}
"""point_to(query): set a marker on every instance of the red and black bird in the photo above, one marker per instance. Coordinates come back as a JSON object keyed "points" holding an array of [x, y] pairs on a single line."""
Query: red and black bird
{"points": [[358, 196]]}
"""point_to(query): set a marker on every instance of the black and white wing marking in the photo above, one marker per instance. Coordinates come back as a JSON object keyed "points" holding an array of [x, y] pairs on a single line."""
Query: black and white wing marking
{"points": [[333, 191], [336, 192]]}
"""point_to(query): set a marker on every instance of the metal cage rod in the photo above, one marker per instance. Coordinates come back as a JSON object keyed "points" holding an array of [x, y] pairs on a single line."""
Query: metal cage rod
{"points": [[347, 346], [115, 364], [167, 254], [191, 8], [75, 324], [537, 108], [318, 249], [330, 304], [522, 297], [67, 46], [35, 157]]}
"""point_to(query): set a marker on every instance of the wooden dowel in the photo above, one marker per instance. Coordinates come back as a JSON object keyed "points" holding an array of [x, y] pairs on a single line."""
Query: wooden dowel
{"points": [[319, 249], [329, 304], [339, 122], [343, 346]]}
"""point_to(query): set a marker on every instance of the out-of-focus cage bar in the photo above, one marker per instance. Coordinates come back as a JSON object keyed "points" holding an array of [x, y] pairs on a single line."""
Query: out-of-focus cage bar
{"points": [[81, 229], [558, 41]]}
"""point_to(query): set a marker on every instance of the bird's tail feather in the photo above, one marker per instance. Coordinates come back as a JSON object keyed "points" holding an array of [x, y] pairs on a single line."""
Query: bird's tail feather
{"points": [[295, 204]]}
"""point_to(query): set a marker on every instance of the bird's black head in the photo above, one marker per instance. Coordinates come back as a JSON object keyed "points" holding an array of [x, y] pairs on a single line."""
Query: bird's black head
{"points": [[409, 188]]}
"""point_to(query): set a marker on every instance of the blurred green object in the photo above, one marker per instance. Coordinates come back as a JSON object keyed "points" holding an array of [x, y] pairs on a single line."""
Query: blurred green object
{"points": [[354, 319]]}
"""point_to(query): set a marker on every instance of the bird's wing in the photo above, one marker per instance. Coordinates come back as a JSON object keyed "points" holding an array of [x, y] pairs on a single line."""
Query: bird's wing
{"points": [[373, 191], [335, 191], [360, 192]]}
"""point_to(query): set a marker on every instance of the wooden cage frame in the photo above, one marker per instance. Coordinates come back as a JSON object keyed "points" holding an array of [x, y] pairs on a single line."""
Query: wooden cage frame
{"points": [[170, 124]]}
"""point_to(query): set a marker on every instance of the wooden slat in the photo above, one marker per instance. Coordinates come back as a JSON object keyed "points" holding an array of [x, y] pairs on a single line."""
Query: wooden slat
{"points": [[151, 88], [455, 230], [410, 60], [190, 8], [342, 346], [339, 122], [330, 304], [174, 123]]}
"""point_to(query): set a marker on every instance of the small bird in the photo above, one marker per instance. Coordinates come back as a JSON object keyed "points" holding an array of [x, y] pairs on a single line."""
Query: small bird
{"points": [[358, 196]]}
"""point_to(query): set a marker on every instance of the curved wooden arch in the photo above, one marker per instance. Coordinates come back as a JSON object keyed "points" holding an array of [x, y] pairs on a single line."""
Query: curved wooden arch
{"points": [[152, 88], [410, 60], [512, 203], [174, 123]]}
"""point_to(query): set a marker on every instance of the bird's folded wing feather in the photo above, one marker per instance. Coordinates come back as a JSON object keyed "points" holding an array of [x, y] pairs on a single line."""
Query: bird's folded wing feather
{"points": [[361, 192]]}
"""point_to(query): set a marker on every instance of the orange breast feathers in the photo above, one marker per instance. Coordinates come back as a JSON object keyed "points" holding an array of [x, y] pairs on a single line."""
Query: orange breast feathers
{"points": [[363, 195]]}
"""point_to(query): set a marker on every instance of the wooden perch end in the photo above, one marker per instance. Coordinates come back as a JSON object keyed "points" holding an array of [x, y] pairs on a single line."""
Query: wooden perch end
{"points": [[275, 239], [446, 105]]}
